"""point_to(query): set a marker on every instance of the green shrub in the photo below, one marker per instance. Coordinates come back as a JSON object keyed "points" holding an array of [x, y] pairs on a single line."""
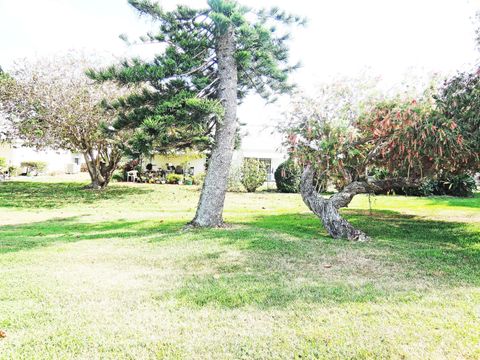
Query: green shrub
{"points": [[254, 174], [118, 176], [452, 185], [458, 185], [462, 185], [37, 166], [174, 178], [188, 180], [3, 163], [13, 170], [234, 183], [199, 178], [287, 177]]}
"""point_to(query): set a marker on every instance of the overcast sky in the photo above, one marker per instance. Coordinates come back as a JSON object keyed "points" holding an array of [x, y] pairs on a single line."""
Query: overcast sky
{"points": [[343, 37]]}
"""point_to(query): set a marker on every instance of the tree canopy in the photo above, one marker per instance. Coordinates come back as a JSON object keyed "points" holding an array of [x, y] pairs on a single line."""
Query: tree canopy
{"points": [[178, 106], [50, 103], [459, 101], [404, 139]]}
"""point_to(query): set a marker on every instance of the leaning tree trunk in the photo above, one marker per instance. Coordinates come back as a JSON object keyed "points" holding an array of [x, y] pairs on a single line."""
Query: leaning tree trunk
{"points": [[328, 209], [210, 206]]}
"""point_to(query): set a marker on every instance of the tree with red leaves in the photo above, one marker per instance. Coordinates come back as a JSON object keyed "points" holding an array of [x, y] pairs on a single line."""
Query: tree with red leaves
{"points": [[406, 140]]}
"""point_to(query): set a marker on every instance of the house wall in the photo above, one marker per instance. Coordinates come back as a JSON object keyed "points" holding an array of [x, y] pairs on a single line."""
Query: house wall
{"points": [[57, 160], [276, 158], [197, 161], [5, 152]]}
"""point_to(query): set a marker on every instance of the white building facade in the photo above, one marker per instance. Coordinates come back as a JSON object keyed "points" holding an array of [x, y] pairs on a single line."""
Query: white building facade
{"points": [[57, 161]]}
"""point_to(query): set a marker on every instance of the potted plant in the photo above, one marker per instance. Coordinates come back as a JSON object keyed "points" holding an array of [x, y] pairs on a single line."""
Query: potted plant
{"points": [[188, 180]]}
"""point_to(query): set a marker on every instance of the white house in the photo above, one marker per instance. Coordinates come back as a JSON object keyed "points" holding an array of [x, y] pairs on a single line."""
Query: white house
{"points": [[58, 161], [260, 143], [64, 161], [195, 163]]}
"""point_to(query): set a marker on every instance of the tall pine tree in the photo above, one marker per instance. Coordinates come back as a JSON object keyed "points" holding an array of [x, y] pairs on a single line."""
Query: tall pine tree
{"points": [[211, 59]]}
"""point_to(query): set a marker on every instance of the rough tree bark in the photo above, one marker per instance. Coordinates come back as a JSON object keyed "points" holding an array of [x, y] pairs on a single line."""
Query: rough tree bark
{"points": [[101, 166], [328, 209], [210, 207]]}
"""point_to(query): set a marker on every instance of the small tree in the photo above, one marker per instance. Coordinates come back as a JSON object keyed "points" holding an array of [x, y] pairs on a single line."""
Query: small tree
{"points": [[410, 140], [254, 174], [51, 103], [235, 180], [7, 89]]}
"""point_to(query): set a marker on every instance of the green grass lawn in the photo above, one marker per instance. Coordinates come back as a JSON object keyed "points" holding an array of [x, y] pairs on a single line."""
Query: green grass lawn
{"points": [[114, 275]]}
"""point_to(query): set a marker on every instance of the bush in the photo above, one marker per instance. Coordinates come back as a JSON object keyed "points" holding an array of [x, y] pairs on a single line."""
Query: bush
{"points": [[287, 177], [458, 185], [254, 174], [3, 163], [34, 166], [118, 176], [198, 179], [234, 183], [453, 185], [174, 178], [462, 185], [188, 180], [13, 170]]}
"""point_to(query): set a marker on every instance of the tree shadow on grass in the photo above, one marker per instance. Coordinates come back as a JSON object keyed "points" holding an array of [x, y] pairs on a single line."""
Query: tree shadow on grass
{"points": [[280, 258], [406, 252], [384, 226], [25, 195], [436, 244], [15, 238], [235, 287]]}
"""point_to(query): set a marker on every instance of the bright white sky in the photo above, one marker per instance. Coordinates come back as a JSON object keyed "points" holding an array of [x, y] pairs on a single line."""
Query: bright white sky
{"points": [[343, 37]]}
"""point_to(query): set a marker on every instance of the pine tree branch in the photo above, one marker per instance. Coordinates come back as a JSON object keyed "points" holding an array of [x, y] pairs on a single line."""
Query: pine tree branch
{"points": [[203, 91]]}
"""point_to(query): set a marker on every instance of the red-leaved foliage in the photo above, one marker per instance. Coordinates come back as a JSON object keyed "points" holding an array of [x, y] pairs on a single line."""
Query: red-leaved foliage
{"points": [[408, 139], [413, 139]]}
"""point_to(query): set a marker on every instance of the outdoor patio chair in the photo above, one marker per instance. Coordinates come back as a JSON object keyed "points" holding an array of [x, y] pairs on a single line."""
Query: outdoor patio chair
{"points": [[132, 176]]}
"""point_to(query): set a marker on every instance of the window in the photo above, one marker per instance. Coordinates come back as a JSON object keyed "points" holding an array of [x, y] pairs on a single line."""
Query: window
{"points": [[76, 160], [268, 166]]}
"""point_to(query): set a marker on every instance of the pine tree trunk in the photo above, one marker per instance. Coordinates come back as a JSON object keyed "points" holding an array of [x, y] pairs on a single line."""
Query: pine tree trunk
{"points": [[210, 207]]}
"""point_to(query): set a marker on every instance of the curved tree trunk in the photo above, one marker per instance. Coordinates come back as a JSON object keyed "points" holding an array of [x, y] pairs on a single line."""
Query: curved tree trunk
{"points": [[327, 209], [210, 207]]}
